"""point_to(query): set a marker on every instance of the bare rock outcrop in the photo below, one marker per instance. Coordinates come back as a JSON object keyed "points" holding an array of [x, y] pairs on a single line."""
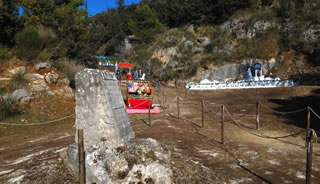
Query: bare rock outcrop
{"points": [[245, 28], [235, 71], [21, 95], [52, 77], [43, 65], [37, 82], [111, 153], [139, 161], [20, 69]]}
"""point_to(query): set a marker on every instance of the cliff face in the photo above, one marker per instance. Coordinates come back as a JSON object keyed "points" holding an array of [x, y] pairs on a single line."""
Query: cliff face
{"points": [[226, 51]]}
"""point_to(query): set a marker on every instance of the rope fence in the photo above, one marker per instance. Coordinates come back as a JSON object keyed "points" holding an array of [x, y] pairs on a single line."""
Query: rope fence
{"points": [[35, 124], [236, 122], [282, 113], [310, 133]]}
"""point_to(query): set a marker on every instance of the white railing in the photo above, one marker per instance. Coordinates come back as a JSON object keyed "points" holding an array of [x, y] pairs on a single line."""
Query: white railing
{"points": [[240, 84]]}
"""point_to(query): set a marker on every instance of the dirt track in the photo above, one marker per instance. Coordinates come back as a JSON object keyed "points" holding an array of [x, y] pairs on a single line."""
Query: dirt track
{"points": [[197, 154]]}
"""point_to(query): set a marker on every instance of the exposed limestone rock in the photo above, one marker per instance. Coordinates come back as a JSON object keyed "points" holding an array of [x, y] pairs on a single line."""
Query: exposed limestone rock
{"points": [[51, 77], [51, 93], [244, 28], [299, 64], [21, 95], [33, 76], [226, 72], [68, 91], [235, 71], [37, 82], [20, 69], [312, 34], [190, 29], [100, 110], [228, 48], [203, 41], [141, 160], [188, 44], [65, 91], [166, 55], [43, 65]]}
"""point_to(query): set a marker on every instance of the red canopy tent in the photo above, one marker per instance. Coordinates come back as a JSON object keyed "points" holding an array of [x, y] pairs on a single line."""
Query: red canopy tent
{"points": [[125, 65]]}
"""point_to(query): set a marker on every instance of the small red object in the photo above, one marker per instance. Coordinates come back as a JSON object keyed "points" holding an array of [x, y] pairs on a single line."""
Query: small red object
{"points": [[129, 76], [125, 65]]}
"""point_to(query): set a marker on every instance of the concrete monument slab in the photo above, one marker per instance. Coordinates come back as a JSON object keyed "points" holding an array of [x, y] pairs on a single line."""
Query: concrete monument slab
{"points": [[100, 109]]}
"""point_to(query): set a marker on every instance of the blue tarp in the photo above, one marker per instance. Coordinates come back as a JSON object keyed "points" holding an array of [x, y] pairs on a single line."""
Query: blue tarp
{"points": [[106, 61]]}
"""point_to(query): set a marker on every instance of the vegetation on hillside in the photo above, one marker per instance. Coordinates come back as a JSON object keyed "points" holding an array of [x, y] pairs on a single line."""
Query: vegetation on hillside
{"points": [[58, 29]]}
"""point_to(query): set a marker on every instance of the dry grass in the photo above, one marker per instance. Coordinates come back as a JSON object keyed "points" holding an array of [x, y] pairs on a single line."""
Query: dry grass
{"points": [[69, 68], [8, 107], [17, 81]]}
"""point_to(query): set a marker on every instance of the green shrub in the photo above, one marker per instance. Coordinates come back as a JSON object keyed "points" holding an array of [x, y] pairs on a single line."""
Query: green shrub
{"points": [[48, 37], [5, 53], [8, 107], [29, 43], [244, 13], [17, 81], [68, 67], [48, 44], [44, 55], [2, 90]]}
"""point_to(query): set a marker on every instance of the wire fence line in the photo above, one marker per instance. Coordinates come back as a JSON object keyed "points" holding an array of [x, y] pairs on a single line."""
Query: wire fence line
{"points": [[248, 129], [317, 115], [258, 134], [210, 112], [291, 112], [35, 124], [283, 113]]}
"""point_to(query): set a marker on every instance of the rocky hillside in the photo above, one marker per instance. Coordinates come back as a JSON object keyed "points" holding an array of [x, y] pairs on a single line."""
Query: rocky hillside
{"points": [[27, 88], [36, 78], [286, 45]]}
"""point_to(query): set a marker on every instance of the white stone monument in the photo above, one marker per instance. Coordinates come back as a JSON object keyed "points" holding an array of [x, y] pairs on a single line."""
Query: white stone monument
{"points": [[100, 109]]}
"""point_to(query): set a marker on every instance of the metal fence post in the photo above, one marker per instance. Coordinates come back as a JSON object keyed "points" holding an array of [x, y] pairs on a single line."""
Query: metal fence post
{"points": [[308, 125], [309, 158], [185, 91], [178, 110], [149, 111], [202, 115], [222, 124], [257, 116], [163, 95]]}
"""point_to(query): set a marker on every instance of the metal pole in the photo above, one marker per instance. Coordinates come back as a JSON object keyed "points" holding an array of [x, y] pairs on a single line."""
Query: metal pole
{"points": [[127, 95], [202, 116], [149, 113], [163, 94], [309, 158], [178, 110], [185, 92], [222, 124], [257, 116], [308, 125], [81, 157]]}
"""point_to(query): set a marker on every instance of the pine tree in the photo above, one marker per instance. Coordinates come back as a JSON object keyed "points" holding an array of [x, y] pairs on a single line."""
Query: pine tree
{"points": [[10, 22], [145, 24]]}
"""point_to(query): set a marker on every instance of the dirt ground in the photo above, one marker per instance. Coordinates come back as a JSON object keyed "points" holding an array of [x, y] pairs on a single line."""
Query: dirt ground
{"points": [[31, 154]]}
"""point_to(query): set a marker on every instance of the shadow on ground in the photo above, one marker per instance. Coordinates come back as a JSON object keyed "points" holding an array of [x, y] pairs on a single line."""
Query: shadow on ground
{"points": [[307, 79], [299, 119]]}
